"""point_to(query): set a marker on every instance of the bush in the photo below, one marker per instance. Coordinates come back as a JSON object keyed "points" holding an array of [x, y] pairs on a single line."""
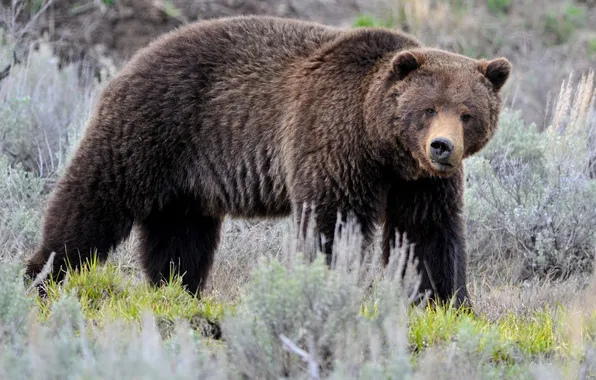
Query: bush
{"points": [[499, 6], [560, 24], [303, 319], [66, 345], [20, 207], [531, 193], [296, 320], [38, 128]]}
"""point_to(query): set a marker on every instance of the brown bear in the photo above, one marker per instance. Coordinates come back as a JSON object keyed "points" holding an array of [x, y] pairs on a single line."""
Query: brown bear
{"points": [[257, 116]]}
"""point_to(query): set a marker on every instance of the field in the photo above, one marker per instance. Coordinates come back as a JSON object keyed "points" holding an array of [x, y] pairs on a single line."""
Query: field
{"points": [[267, 313]]}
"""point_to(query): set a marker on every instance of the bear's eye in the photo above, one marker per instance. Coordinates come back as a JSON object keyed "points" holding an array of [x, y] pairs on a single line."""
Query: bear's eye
{"points": [[466, 117], [430, 111]]}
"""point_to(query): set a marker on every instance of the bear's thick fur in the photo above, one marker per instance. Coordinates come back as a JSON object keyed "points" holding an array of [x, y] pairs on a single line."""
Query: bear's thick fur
{"points": [[255, 117]]}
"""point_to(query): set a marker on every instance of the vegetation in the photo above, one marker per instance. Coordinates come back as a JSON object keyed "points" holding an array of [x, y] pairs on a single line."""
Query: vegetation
{"points": [[530, 209]]}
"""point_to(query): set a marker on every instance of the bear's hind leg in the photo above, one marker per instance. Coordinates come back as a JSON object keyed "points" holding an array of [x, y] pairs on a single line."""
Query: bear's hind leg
{"points": [[179, 240]]}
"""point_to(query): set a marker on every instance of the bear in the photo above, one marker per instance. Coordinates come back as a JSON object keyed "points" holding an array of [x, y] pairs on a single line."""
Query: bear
{"points": [[266, 117]]}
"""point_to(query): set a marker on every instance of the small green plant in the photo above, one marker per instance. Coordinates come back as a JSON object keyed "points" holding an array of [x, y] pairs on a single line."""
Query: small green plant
{"points": [[364, 21], [591, 47], [171, 10], [499, 6]]}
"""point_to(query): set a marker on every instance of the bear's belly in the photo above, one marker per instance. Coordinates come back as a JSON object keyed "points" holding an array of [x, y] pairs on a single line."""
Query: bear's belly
{"points": [[251, 201], [242, 194]]}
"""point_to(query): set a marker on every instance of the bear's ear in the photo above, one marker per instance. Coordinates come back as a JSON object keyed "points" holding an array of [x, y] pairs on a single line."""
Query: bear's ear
{"points": [[404, 63], [496, 71]]}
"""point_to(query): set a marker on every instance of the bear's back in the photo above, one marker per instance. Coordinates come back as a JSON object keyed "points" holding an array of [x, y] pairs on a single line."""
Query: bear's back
{"points": [[250, 42]]}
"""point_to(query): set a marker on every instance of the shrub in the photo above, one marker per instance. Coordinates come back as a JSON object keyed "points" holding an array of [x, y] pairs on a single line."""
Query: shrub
{"points": [[363, 21], [302, 318], [38, 128], [499, 6], [531, 193], [560, 24], [20, 207]]}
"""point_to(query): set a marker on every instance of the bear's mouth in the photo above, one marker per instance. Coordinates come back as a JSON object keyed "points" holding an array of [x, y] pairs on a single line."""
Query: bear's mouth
{"points": [[443, 168]]}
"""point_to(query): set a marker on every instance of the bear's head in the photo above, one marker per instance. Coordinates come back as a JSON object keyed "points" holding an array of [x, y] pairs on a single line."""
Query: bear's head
{"points": [[438, 106]]}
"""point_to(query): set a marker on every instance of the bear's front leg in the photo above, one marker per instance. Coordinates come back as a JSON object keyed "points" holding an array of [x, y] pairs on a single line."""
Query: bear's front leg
{"points": [[428, 212]]}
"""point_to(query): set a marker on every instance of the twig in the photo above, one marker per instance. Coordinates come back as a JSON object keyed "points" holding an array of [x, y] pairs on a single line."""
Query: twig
{"points": [[313, 367], [45, 271], [4, 73]]}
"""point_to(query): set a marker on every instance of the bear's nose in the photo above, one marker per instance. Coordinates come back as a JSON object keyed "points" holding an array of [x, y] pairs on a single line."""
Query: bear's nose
{"points": [[440, 150]]}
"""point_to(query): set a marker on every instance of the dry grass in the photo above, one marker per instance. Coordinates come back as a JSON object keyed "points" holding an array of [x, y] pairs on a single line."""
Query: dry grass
{"points": [[524, 299]]}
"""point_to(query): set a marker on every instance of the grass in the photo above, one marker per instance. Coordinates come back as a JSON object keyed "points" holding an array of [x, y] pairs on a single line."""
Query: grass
{"points": [[107, 294]]}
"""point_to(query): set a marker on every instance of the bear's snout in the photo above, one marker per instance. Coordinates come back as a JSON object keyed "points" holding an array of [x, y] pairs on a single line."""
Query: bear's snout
{"points": [[444, 144], [440, 150]]}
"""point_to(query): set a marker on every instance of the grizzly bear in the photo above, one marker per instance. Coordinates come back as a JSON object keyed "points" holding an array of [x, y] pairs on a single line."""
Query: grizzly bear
{"points": [[256, 116]]}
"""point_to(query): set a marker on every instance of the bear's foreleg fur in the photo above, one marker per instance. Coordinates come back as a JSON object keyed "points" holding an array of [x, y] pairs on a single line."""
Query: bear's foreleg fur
{"points": [[428, 212], [84, 217]]}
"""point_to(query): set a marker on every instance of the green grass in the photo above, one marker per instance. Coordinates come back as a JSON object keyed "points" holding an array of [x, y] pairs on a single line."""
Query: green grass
{"points": [[529, 337], [106, 295]]}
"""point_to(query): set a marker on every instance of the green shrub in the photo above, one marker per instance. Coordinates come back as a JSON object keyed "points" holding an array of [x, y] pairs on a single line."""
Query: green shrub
{"points": [[499, 6], [591, 47], [561, 23]]}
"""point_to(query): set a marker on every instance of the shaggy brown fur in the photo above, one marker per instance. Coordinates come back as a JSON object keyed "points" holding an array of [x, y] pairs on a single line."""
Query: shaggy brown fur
{"points": [[256, 116]]}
